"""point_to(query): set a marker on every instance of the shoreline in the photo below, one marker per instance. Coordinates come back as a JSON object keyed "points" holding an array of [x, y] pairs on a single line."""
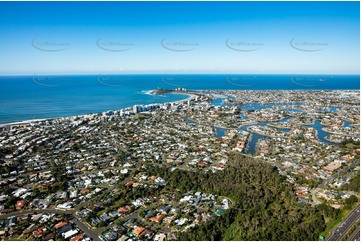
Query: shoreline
{"points": [[191, 96], [335, 133], [332, 141]]}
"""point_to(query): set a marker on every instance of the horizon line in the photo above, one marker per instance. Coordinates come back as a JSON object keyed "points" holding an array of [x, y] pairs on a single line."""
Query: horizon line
{"points": [[112, 73]]}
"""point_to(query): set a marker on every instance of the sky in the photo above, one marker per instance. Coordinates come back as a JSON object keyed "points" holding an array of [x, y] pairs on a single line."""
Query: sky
{"points": [[179, 37]]}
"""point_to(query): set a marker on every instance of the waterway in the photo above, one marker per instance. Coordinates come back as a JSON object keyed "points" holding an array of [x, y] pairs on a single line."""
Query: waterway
{"points": [[320, 133], [346, 124], [294, 110], [252, 143], [258, 106], [330, 109], [220, 132]]}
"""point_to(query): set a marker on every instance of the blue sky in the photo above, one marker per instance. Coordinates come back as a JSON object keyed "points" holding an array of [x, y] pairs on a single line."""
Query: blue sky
{"points": [[179, 37]]}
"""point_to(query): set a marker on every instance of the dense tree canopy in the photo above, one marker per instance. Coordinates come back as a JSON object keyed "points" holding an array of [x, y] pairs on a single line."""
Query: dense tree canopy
{"points": [[354, 184], [264, 207]]}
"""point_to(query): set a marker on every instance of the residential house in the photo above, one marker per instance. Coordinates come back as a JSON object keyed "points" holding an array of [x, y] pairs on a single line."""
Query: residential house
{"points": [[147, 233], [39, 232], [157, 219], [60, 224], [69, 234], [30, 229], [165, 210], [20, 204], [64, 229], [159, 237], [138, 230]]}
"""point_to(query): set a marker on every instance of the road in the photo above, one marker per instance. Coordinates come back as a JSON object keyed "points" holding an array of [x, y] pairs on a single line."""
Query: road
{"points": [[345, 225], [315, 200], [92, 234], [327, 181], [338, 174], [355, 236], [19, 213]]}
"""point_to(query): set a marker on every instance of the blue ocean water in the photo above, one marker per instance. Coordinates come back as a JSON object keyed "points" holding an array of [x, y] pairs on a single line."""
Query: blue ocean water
{"points": [[33, 97]]}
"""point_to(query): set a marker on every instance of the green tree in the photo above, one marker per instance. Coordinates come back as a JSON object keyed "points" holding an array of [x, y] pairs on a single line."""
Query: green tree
{"points": [[351, 200]]}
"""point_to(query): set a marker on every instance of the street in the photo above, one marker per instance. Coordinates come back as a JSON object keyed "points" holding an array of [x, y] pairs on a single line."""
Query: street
{"points": [[338, 174], [19, 213], [345, 225], [355, 236], [92, 234]]}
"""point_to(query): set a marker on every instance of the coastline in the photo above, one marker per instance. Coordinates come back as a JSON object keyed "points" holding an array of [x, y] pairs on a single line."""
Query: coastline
{"points": [[191, 97], [27, 121]]}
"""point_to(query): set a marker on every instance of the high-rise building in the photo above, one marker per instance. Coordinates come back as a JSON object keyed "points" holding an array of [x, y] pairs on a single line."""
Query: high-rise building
{"points": [[136, 109]]}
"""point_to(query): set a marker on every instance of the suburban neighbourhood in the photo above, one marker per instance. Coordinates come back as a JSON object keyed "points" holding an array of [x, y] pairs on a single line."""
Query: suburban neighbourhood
{"points": [[91, 177]]}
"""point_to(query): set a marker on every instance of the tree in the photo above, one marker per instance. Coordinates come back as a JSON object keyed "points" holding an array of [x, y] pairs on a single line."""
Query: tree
{"points": [[264, 206], [101, 224], [108, 174], [351, 200], [10, 202], [354, 184], [36, 192]]}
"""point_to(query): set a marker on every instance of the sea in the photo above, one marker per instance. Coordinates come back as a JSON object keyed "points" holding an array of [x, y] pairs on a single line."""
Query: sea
{"points": [[48, 96]]}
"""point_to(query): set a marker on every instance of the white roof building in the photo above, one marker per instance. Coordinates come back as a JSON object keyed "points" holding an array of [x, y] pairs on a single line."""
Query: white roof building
{"points": [[70, 233]]}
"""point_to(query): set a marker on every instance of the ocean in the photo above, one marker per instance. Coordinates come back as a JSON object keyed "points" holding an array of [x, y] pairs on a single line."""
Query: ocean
{"points": [[40, 96]]}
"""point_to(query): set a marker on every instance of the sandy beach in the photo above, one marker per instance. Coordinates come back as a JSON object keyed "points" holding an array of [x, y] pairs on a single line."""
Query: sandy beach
{"points": [[191, 97]]}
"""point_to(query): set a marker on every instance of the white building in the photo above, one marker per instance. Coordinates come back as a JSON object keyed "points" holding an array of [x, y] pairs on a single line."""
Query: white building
{"points": [[124, 171], [225, 204], [73, 194], [69, 234]]}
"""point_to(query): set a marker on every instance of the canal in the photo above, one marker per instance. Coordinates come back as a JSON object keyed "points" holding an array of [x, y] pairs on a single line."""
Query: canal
{"points": [[252, 143]]}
